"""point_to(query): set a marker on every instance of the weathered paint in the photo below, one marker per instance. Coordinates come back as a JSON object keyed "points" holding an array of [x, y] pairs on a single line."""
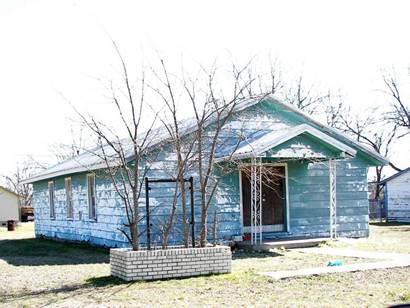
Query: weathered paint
{"points": [[309, 198], [103, 231], [308, 188], [398, 198], [304, 146]]}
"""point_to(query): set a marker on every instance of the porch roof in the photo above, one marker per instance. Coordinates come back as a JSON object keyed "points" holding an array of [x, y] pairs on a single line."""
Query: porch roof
{"points": [[269, 145]]}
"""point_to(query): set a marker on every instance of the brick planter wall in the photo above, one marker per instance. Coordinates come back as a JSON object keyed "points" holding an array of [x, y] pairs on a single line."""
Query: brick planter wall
{"points": [[170, 263]]}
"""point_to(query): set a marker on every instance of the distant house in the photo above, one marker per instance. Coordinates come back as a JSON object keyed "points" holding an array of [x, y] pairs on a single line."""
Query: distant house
{"points": [[397, 196], [9, 205], [323, 185]]}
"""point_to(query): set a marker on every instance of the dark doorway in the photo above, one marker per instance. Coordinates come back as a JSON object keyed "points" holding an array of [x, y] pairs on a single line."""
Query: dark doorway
{"points": [[273, 199]]}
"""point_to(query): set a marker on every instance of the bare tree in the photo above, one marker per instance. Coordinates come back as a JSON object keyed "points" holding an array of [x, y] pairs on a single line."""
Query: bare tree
{"points": [[263, 82], [276, 82], [196, 151], [125, 160], [333, 109], [211, 115], [63, 151], [14, 183], [183, 147], [399, 114], [304, 97], [373, 132]]}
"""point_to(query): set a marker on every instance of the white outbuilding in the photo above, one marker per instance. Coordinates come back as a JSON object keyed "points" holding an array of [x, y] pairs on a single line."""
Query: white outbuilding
{"points": [[397, 196], [9, 205]]}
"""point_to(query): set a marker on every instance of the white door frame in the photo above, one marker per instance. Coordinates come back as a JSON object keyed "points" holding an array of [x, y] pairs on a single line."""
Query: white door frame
{"points": [[268, 228]]}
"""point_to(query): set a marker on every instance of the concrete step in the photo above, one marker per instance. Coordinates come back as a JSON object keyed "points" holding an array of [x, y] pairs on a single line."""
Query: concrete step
{"points": [[287, 244]]}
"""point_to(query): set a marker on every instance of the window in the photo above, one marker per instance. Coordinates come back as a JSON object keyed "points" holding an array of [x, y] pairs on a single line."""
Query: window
{"points": [[51, 199], [91, 196], [69, 198]]}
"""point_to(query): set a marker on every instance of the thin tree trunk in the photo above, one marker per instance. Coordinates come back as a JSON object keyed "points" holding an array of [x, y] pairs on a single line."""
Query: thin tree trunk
{"points": [[215, 228], [378, 186], [204, 225], [185, 226], [134, 236], [170, 223]]}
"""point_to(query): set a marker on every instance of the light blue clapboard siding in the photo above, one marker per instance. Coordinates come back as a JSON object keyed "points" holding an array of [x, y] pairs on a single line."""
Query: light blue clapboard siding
{"points": [[309, 199], [308, 186], [110, 213]]}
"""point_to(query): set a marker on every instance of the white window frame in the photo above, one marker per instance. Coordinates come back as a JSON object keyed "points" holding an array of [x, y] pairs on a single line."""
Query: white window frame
{"points": [[69, 197], [51, 199], [92, 200]]}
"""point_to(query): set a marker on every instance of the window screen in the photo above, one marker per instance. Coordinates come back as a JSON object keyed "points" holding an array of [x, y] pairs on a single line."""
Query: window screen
{"points": [[51, 199], [91, 196], [69, 198]]}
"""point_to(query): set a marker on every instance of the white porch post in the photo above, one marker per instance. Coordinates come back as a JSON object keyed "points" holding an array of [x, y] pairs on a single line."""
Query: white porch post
{"points": [[256, 201], [332, 193]]}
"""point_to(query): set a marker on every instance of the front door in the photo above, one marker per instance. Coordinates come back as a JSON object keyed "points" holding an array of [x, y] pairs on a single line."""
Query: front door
{"points": [[273, 199]]}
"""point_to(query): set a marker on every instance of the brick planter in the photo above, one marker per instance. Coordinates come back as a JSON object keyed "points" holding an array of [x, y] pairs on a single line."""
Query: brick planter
{"points": [[170, 263]]}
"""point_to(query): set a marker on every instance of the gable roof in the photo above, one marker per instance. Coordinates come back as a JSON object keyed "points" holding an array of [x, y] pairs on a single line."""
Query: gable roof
{"points": [[395, 175], [270, 140], [90, 160], [334, 132]]}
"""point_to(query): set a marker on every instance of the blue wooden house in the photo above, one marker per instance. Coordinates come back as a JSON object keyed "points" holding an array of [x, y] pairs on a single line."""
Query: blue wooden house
{"points": [[322, 192]]}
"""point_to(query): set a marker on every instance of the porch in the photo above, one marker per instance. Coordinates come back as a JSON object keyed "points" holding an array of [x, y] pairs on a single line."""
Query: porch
{"points": [[266, 198]]}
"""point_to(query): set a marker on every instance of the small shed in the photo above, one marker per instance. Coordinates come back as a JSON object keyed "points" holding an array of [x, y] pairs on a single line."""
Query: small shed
{"points": [[9, 205], [397, 196]]}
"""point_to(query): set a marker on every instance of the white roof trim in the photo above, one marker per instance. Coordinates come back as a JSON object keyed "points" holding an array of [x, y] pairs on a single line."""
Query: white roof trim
{"points": [[79, 169], [289, 134], [332, 130]]}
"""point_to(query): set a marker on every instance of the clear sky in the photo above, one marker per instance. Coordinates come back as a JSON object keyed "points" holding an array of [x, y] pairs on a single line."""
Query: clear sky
{"points": [[54, 48]]}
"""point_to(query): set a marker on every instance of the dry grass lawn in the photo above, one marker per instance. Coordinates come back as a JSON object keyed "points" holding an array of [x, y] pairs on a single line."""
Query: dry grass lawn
{"points": [[35, 272], [384, 237]]}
